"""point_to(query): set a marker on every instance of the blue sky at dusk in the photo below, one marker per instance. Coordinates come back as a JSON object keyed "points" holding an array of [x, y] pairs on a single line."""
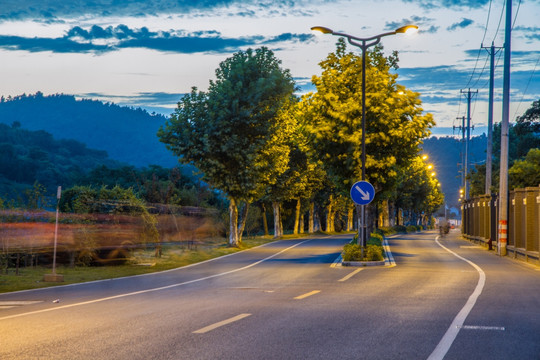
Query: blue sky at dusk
{"points": [[148, 53]]}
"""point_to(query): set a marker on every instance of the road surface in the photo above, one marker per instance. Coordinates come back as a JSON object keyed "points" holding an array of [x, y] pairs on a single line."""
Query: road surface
{"points": [[444, 298]]}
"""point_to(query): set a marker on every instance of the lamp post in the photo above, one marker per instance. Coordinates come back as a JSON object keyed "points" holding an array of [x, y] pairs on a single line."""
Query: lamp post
{"points": [[364, 44]]}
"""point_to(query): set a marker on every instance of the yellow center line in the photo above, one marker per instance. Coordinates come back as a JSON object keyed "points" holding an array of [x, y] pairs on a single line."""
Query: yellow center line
{"points": [[306, 295], [345, 278], [221, 323]]}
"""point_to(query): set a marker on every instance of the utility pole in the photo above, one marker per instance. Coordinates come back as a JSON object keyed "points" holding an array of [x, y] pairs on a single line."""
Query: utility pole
{"points": [[503, 182], [468, 137], [492, 50], [462, 129]]}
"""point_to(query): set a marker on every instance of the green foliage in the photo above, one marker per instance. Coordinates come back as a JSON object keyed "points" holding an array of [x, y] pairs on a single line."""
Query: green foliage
{"points": [[88, 200], [526, 172], [125, 133], [36, 197], [524, 135], [412, 228], [396, 124], [236, 133], [29, 156], [353, 252], [399, 228]]}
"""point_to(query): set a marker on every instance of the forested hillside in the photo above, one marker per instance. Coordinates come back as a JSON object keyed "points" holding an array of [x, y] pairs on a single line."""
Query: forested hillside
{"points": [[126, 134], [445, 155], [29, 156]]}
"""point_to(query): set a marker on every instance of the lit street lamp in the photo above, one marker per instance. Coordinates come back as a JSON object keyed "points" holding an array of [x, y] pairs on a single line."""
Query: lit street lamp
{"points": [[364, 44]]}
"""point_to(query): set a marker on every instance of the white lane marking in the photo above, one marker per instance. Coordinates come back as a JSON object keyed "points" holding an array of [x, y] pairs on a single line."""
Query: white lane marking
{"points": [[479, 327], [19, 303], [389, 260], [307, 294], [221, 323], [345, 278], [153, 289], [336, 262], [450, 335]]}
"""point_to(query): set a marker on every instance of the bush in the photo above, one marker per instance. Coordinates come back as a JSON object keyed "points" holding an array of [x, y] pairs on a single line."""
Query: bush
{"points": [[399, 228], [353, 252], [411, 228], [385, 231]]}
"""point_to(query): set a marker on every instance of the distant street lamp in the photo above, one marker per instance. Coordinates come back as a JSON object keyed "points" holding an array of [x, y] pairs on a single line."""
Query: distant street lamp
{"points": [[364, 44]]}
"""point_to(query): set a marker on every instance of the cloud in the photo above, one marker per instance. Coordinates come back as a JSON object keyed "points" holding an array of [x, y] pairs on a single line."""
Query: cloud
{"points": [[424, 24], [52, 10], [98, 39], [436, 4], [460, 25]]}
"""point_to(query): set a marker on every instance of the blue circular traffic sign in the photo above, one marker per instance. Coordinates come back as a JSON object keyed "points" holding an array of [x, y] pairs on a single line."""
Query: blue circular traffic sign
{"points": [[362, 193]]}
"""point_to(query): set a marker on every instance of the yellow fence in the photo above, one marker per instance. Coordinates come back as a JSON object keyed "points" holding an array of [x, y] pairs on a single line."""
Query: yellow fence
{"points": [[480, 219]]}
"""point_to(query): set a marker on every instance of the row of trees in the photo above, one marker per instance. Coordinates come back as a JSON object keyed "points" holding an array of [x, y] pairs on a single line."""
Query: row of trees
{"points": [[254, 140], [523, 154]]}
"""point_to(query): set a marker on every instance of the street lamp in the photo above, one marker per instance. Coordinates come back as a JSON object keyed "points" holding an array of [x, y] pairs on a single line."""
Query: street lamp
{"points": [[364, 44]]}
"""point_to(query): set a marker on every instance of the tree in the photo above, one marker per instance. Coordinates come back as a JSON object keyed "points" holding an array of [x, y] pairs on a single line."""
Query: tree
{"points": [[233, 132], [524, 135], [526, 172], [395, 125]]}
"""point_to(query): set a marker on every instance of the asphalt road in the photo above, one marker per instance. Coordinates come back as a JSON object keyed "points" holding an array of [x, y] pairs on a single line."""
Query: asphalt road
{"points": [[286, 300]]}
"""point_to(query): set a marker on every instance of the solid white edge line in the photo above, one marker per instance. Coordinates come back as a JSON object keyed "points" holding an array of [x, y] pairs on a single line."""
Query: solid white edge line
{"points": [[452, 332], [153, 289], [221, 323]]}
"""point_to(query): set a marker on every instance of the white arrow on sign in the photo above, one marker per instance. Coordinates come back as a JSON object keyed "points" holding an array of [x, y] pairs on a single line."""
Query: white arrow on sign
{"points": [[365, 195]]}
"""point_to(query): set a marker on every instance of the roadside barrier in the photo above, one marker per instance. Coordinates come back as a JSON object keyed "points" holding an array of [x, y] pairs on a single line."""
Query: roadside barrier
{"points": [[480, 218]]}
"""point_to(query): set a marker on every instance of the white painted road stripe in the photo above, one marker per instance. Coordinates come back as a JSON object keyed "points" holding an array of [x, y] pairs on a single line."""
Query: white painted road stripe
{"points": [[154, 289], [221, 323], [450, 335], [477, 327], [18, 303], [345, 278], [307, 295], [389, 261]]}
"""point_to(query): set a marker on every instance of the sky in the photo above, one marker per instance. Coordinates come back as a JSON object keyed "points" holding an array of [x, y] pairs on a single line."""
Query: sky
{"points": [[148, 54]]}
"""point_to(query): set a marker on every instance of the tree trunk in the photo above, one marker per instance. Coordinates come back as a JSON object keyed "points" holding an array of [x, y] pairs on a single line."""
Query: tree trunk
{"points": [[265, 222], [301, 230], [330, 215], [350, 217], [233, 223], [242, 222], [278, 229], [297, 217], [311, 221]]}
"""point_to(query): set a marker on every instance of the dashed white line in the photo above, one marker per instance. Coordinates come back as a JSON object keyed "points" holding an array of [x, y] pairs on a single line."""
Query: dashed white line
{"points": [[345, 278], [307, 294], [221, 323], [478, 327]]}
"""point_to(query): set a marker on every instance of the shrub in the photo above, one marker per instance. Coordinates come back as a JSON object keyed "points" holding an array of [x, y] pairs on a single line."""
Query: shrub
{"points": [[399, 228], [353, 252], [411, 228], [374, 253]]}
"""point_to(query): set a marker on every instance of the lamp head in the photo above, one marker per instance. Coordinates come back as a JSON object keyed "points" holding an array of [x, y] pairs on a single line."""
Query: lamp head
{"points": [[322, 29], [408, 29]]}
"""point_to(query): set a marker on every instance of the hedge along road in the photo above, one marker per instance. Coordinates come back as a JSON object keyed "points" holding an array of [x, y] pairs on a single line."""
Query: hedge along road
{"points": [[282, 300]]}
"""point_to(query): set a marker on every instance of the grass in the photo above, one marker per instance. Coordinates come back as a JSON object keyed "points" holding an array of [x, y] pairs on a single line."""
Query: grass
{"points": [[142, 262]]}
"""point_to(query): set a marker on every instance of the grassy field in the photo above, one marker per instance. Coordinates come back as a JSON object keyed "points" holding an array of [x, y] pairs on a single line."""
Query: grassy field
{"points": [[141, 262]]}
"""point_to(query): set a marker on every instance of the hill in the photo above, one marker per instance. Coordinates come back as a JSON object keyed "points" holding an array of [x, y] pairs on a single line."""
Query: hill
{"points": [[126, 134], [29, 156], [445, 155]]}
